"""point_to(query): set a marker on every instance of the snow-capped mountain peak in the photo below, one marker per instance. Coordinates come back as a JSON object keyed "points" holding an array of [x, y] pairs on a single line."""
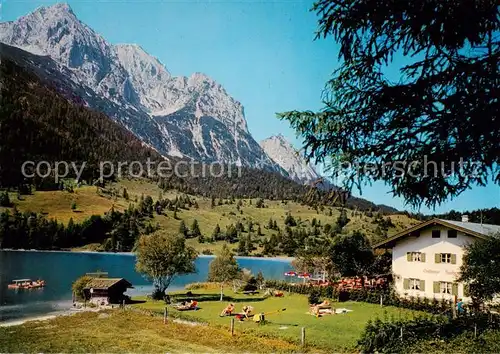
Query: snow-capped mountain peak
{"points": [[291, 160], [57, 32], [192, 116]]}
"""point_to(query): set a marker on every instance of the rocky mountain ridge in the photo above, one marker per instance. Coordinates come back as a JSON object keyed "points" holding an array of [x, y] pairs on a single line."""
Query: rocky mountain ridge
{"points": [[192, 117]]}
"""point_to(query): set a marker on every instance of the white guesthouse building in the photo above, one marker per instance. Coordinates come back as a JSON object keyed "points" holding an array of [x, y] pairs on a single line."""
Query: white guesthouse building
{"points": [[426, 258]]}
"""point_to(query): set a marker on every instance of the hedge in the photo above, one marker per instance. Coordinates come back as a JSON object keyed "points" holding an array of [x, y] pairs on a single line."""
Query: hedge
{"points": [[389, 298], [396, 336]]}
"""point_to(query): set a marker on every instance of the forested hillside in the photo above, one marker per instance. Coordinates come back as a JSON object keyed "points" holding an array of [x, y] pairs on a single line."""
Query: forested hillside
{"points": [[112, 217], [43, 120], [37, 124]]}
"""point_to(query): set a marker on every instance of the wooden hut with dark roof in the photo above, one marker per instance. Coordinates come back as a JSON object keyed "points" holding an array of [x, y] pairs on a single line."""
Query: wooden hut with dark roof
{"points": [[105, 291]]}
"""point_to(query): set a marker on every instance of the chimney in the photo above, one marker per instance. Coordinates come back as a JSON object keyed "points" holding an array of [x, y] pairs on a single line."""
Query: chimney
{"points": [[465, 218]]}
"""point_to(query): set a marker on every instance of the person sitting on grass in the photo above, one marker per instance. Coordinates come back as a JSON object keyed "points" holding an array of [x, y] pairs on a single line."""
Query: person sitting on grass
{"points": [[247, 310], [228, 310]]}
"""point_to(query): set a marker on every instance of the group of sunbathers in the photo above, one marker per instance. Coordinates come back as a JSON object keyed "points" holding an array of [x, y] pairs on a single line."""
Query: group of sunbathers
{"points": [[246, 311]]}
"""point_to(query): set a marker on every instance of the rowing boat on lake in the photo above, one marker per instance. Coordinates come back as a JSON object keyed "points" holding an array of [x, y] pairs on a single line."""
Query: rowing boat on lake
{"points": [[26, 284]]}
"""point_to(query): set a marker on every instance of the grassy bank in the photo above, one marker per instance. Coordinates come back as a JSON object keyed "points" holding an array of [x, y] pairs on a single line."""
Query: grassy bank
{"points": [[331, 333], [126, 331]]}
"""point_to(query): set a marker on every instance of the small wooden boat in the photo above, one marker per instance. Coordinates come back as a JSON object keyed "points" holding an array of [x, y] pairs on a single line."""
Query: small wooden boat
{"points": [[26, 284]]}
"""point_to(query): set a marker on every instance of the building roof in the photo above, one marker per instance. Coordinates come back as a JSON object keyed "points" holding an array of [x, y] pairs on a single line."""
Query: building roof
{"points": [[485, 229], [106, 283], [481, 231]]}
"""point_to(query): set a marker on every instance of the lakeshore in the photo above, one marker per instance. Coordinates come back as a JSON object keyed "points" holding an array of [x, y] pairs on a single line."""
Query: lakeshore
{"points": [[273, 258], [60, 268], [30, 319]]}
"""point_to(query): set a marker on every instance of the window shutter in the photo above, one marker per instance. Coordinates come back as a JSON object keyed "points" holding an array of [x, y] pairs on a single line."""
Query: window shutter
{"points": [[466, 290], [422, 285], [422, 257], [454, 289], [408, 256], [437, 257], [437, 287], [406, 284], [453, 259]]}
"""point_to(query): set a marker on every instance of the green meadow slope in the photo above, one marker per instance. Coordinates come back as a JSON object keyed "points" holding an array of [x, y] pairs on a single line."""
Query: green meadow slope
{"points": [[92, 200]]}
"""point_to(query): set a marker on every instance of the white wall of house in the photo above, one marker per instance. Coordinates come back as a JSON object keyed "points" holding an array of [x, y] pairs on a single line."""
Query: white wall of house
{"points": [[429, 271]]}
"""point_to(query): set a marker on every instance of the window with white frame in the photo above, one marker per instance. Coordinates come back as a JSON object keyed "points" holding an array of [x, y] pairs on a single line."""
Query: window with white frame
{"points": [[445, 287], [414, 284], [445, 257]]}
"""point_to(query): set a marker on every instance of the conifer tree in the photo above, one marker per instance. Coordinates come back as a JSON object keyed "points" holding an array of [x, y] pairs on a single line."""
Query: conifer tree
{"points": [[270, 224], [5, 200], [216, 232], [183, 230], [195, 229], [125, 194]]}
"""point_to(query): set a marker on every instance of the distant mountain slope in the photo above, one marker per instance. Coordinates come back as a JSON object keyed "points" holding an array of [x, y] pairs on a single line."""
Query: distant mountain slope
{"points": [[191, 117], [42, 122], [43, 118], [291, 160]]}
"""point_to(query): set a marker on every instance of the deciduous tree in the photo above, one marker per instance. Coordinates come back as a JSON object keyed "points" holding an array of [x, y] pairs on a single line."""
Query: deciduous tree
{"points": [[479, 269], [80, 284], [223, 269], [351, 255], [160, 258]]}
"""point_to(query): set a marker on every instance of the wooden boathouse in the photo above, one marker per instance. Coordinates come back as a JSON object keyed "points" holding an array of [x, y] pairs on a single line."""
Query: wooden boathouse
{"points": [[106, 291]]}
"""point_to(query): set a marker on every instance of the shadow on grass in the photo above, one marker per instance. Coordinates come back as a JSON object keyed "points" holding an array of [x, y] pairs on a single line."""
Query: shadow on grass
{"points": [[212, 297], [132, 302], [282, 324]]}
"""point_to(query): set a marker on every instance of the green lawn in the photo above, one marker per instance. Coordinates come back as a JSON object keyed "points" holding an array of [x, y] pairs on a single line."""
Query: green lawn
{"points": [[332, 332]]}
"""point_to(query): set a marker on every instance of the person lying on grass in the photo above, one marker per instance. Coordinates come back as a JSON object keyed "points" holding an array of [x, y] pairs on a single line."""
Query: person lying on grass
{"points": [[191, 305], [316, 309]]}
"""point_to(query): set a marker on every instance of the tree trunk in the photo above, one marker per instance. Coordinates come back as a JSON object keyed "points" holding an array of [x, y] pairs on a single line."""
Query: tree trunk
{"points": [[221, 291]]}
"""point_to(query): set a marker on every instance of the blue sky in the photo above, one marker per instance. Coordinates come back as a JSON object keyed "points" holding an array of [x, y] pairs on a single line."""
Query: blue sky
{"points": [[262, 52]]}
